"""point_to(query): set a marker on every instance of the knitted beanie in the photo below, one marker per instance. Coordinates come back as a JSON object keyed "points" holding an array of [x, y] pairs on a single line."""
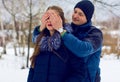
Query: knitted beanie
{"points": [[87, 7]]}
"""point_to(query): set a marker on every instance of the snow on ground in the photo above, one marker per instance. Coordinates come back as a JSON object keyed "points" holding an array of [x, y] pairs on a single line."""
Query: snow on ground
{"points": [[13, 75], [110, 69], [10, 68]]}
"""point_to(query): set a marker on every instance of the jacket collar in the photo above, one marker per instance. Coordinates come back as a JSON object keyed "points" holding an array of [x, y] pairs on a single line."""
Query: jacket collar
{"points": [[81, 28]]}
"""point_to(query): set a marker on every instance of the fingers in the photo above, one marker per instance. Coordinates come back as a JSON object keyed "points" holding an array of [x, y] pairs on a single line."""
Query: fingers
{"points": [[44, 21], [56, 20], [52, 17], [45, 16]]}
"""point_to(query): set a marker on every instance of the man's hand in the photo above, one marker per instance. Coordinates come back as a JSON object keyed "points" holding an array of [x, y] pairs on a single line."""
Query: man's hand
{"points": [[56, 21]]}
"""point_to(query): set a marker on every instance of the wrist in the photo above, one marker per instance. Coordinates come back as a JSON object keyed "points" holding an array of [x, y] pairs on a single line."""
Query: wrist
{"points": [[60, 30], [62, 33], [41, 28]]}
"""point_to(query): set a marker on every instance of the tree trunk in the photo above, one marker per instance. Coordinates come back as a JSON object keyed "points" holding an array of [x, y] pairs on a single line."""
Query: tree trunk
{"points": [[3, 38], [15, 37], [29, 36]]}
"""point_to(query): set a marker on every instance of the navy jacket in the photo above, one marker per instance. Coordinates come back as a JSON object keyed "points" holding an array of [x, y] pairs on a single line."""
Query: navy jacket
{"points": [[85, 44], [49, 66]]}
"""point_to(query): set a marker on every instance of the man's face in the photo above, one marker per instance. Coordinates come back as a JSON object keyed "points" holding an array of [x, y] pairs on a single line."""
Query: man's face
{"points": [[78, 17]]}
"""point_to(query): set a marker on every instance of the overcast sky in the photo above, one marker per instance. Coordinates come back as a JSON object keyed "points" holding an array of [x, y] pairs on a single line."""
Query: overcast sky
{"points": [[102, 12]]}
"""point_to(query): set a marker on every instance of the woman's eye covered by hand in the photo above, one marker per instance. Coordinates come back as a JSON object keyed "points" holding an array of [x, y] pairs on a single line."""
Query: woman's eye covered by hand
{"points": [[47, 18]]}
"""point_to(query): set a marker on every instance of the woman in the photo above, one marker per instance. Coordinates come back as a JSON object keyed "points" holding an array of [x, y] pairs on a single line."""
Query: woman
{"points": [[49, 62]]}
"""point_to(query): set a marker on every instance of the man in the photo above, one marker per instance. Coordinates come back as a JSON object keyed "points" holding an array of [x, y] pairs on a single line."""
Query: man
{"points": [[84, 43]]}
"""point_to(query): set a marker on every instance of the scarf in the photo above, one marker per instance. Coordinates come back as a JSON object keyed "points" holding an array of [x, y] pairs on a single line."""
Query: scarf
{"points": [[49, 43]]}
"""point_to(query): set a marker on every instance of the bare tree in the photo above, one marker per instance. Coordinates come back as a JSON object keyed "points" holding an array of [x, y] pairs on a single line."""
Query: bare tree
{"points": [[108, 6], [27, 10], [13, 8], [31, 8], [3, 37]]}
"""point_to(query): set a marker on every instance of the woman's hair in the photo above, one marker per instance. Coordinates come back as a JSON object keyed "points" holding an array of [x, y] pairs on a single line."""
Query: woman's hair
{"points": [[44, 33]]}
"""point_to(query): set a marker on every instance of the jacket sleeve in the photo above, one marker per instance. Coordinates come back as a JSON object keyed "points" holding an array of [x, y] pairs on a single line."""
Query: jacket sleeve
{"points": [[82, 48], [35, 34], [30, 75]]}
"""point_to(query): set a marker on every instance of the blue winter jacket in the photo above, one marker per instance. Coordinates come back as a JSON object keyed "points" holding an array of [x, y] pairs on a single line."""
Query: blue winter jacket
{"points": [[85, 44], [49, 66]]}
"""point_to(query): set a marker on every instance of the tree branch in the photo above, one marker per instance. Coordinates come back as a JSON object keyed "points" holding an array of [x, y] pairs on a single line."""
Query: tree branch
{"points": [[104, 3]]}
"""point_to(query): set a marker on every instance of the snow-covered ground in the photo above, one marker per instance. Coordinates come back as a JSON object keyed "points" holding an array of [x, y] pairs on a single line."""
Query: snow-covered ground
{"points": [[110, 69], [10, 68]]}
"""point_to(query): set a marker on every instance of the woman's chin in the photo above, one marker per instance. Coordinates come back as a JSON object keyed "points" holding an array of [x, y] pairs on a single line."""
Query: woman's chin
{"points": [[50, 28]]}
